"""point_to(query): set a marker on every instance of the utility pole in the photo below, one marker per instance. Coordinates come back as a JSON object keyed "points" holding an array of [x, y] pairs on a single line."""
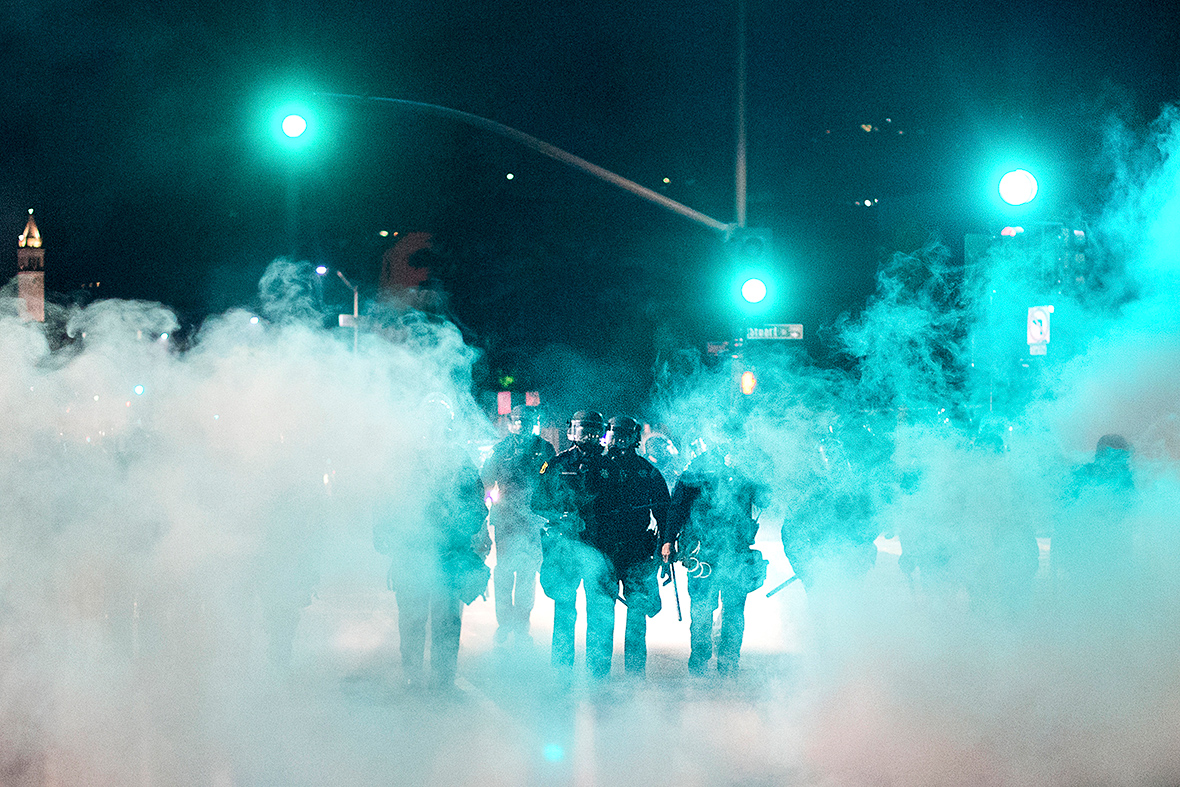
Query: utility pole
{"points": [[740, 185]]}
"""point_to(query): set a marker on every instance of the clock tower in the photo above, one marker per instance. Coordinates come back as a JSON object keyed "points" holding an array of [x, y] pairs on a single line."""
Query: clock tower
{"points": [[30, 272]]}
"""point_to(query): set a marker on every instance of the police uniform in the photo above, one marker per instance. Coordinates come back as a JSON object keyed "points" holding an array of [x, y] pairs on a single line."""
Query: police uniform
{"points": [[639, 495], [435, 568], [513, 468], [711, 515], [573, 547]]}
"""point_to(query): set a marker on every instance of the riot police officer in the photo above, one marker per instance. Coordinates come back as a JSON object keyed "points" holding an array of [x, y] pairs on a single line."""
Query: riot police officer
{"points": [[662, 452], [436, 538], [1092, 554], [573, 544], [635, 511], [510, 477], [713, 519], [831, 530]]}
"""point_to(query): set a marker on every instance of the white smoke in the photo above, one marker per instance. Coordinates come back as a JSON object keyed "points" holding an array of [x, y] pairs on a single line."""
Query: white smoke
{"points": [[963, 673], [171, 516]]}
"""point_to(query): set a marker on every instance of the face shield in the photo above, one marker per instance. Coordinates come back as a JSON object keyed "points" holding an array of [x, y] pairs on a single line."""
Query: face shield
{"points": [[622, 434], [585, 431]]}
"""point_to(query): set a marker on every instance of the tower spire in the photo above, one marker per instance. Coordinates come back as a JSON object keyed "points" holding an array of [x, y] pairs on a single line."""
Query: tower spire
{"points": [[31, 237], [30, 272]]}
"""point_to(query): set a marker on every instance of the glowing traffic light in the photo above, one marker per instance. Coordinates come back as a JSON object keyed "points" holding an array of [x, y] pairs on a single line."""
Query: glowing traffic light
{"points": [[754, 290], [293, 126], [1018, 187], [749, 382], [751, 261]]}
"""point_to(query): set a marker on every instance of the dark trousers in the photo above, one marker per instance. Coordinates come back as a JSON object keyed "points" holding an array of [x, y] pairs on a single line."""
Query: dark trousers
{"points": [[514, 583], [589, 568], [641, 591], [415, 606], [704, 595]]}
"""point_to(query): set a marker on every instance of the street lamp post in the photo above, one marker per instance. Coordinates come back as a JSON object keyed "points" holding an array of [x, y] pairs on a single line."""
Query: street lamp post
{"points": [[355, 316], [292, 130]]}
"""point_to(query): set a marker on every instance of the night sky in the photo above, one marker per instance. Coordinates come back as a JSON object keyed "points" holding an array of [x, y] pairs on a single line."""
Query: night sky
{"points": [[138, 133]]}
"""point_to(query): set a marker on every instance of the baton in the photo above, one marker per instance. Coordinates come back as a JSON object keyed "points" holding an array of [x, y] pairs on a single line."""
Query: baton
{"points": [[675, 591], [783, 585]]}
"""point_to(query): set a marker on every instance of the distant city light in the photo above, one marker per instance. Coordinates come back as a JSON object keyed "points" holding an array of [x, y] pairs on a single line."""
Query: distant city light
{"points": [[163, 337], [667, 180], [384, 233], [510, 176], [254, 320], [294, 125], [138, 390], [1018, 187], [321, 269], [754, 290]]}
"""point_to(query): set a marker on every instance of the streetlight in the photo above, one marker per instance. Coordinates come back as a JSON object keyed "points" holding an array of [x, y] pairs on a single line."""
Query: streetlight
{"points": [[347, 320], [355, 316], [293, 127]]}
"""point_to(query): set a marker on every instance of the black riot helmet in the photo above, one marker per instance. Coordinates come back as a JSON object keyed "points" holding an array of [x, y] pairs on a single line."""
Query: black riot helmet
{"points": [[586, 428], [623, 433]]}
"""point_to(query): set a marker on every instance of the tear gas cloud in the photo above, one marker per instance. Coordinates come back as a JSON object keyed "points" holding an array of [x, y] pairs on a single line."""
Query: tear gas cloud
{"points": [[987, 665], [157, 547]]}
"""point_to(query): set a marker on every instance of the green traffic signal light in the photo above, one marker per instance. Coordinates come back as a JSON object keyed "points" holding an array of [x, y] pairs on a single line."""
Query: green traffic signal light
{"points": [[752, 267], [754, 290], [1018, 187], [293, 126]]}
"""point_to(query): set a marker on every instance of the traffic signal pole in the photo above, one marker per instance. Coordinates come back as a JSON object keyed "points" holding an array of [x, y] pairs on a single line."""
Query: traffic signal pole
{"points": [[553, 152], [740, 157]]}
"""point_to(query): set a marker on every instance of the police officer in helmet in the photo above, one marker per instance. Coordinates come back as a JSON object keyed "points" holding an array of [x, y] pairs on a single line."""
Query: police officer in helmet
{"points": [[573, 543], [510, 477], [712, 523], [635, 511]]}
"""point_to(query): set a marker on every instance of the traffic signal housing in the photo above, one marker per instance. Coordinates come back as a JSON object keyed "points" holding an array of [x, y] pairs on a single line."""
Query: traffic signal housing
{"points": [[750, 255]]}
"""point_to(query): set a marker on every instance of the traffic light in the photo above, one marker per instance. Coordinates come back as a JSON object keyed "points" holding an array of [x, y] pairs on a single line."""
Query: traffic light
{"points": [[750, 244], [749, 382], [293, 126], [750, 255], [1018, 187]]}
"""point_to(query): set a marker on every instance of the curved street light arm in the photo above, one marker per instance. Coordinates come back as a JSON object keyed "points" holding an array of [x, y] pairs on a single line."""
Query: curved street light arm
{"points": [[553, 152]]}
